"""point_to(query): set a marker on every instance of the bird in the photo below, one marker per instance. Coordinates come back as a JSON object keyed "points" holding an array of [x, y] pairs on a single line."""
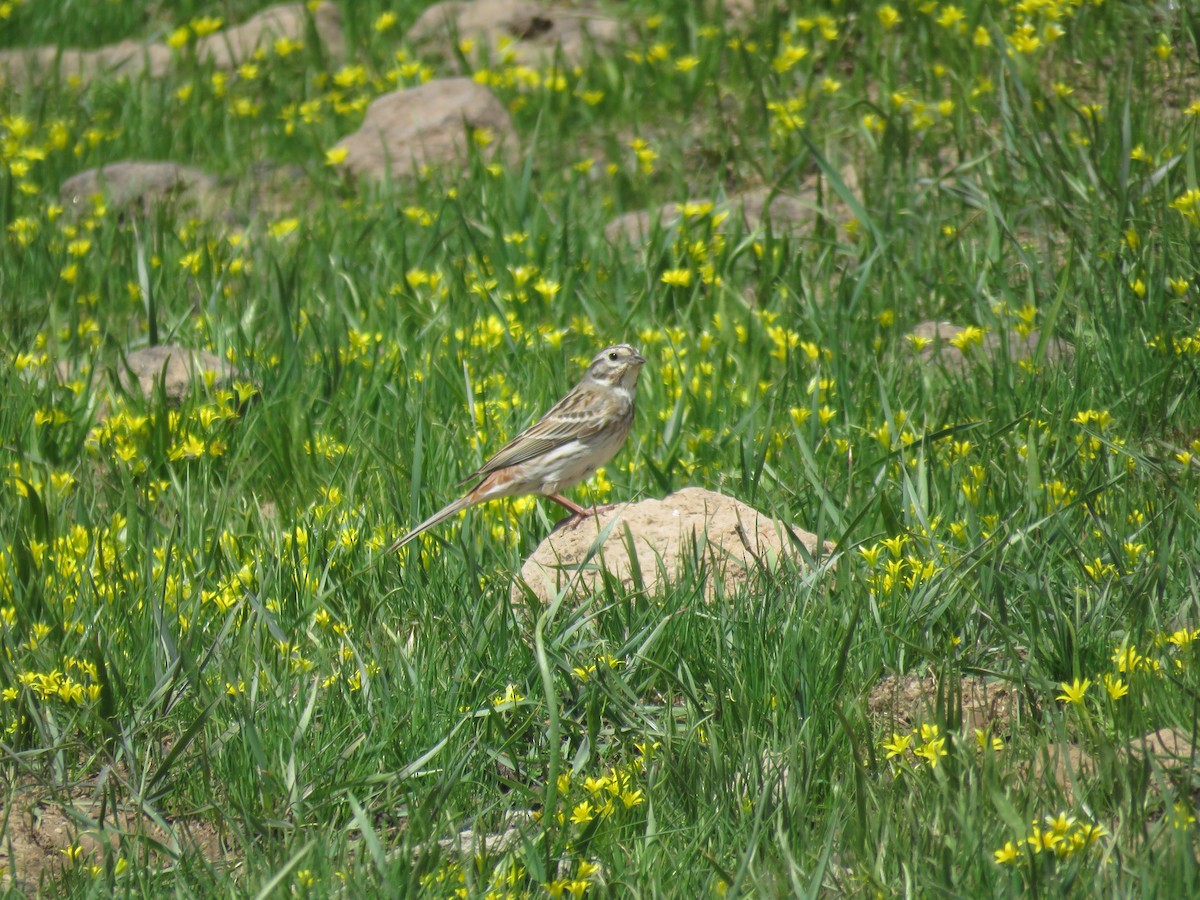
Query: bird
{"points": [[578, 435]]}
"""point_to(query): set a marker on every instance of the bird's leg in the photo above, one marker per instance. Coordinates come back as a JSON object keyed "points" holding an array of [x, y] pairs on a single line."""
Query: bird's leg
{"points": [[570, 505], [578, 513]]}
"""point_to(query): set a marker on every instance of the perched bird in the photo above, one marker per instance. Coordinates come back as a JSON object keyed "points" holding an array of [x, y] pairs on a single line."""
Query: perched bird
{"points": [[582, 432]]}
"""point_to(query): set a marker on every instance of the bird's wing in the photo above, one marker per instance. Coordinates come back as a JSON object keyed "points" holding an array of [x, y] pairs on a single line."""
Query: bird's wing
{"points": [[567, 421]]}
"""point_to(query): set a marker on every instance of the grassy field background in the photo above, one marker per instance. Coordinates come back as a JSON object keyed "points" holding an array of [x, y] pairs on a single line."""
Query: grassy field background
{"points": [[204, 651]]}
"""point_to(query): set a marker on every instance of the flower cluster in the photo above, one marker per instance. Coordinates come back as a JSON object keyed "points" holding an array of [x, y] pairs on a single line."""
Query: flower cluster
{"points": [[927, 745], [1057, 837]]}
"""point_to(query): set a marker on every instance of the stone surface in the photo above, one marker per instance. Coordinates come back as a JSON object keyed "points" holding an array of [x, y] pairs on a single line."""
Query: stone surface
{"points": [[1065, 765], [184, 367], [534, 33], [40, 826], [225, 49], [758, 208], [939, 350], [1170, 748], [136, 184], [734, 539], [230, 47], [902, 702], [266, 190], [425, 126], [124, 59]]}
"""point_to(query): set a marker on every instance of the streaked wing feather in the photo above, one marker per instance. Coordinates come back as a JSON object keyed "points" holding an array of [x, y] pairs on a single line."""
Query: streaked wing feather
{"points": [[556, 428]]}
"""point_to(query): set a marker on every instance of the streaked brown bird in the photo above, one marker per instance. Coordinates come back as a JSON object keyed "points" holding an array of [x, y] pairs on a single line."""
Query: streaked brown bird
{"points": [[579, 434]]}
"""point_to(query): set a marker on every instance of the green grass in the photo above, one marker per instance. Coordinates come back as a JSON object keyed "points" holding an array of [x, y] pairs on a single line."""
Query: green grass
{"points": [[197, 625]]}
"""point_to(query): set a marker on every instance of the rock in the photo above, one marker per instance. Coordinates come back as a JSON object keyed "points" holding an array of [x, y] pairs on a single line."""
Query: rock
{"points": [[225, 49], [426, 125], [903, 702], [124, 59], [137, 184], [755, 209], [1065, 765], [229, 48], [735, 539], [270, 190], [142, 369], [533, 32], [42, 824], [939, 350], [469, 843], [1170, 748], [266, 190]]}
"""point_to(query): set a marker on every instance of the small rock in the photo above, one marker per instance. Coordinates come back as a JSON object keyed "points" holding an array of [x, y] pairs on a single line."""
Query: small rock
{"points": [[1171, 748], [759, 208], [533, 32], [271, 190], [1062, 764], [137, 184], [124, 59], [224, 49], [179, 367], [427, 125], [735, 538], [229, 48], [902, 702], [940, 351]]}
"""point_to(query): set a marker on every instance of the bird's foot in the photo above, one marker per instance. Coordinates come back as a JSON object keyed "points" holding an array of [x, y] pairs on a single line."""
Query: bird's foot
{"points": [[579, 513]]}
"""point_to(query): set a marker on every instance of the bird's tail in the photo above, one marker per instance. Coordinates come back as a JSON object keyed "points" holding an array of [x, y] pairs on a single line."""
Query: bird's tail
{"points": [[436, 519]]}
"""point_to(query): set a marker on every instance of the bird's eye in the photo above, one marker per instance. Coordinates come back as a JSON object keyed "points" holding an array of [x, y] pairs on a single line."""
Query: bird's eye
{"points": [[612, 357]]}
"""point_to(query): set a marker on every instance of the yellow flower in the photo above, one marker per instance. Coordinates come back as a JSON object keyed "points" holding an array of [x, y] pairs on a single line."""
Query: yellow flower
{"points": [[1074, 692], [206, 25], [283, 228], [898, 744], [583, 813], [1115, 686], [677, 277], [1187, 205], [971, 336], [1008, 853], [889, 18], [1181, 815], [934, 747], [192, 262], [984, 742], [335, 156], [950, 17]]}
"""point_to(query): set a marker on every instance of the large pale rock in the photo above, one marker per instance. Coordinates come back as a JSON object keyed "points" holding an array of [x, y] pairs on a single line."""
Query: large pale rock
{"points": [[939, 350], [226, 49], [229, 48], [136, 184], [179, 367], [533, 32], [425, 126], [734, 539]]}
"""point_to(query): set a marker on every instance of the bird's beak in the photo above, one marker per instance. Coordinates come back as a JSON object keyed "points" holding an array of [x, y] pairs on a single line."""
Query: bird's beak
{"points": [[638, 359]]}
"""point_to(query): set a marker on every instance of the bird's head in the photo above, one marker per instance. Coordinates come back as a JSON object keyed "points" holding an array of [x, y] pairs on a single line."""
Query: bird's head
{"points": [[618, 365]]}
